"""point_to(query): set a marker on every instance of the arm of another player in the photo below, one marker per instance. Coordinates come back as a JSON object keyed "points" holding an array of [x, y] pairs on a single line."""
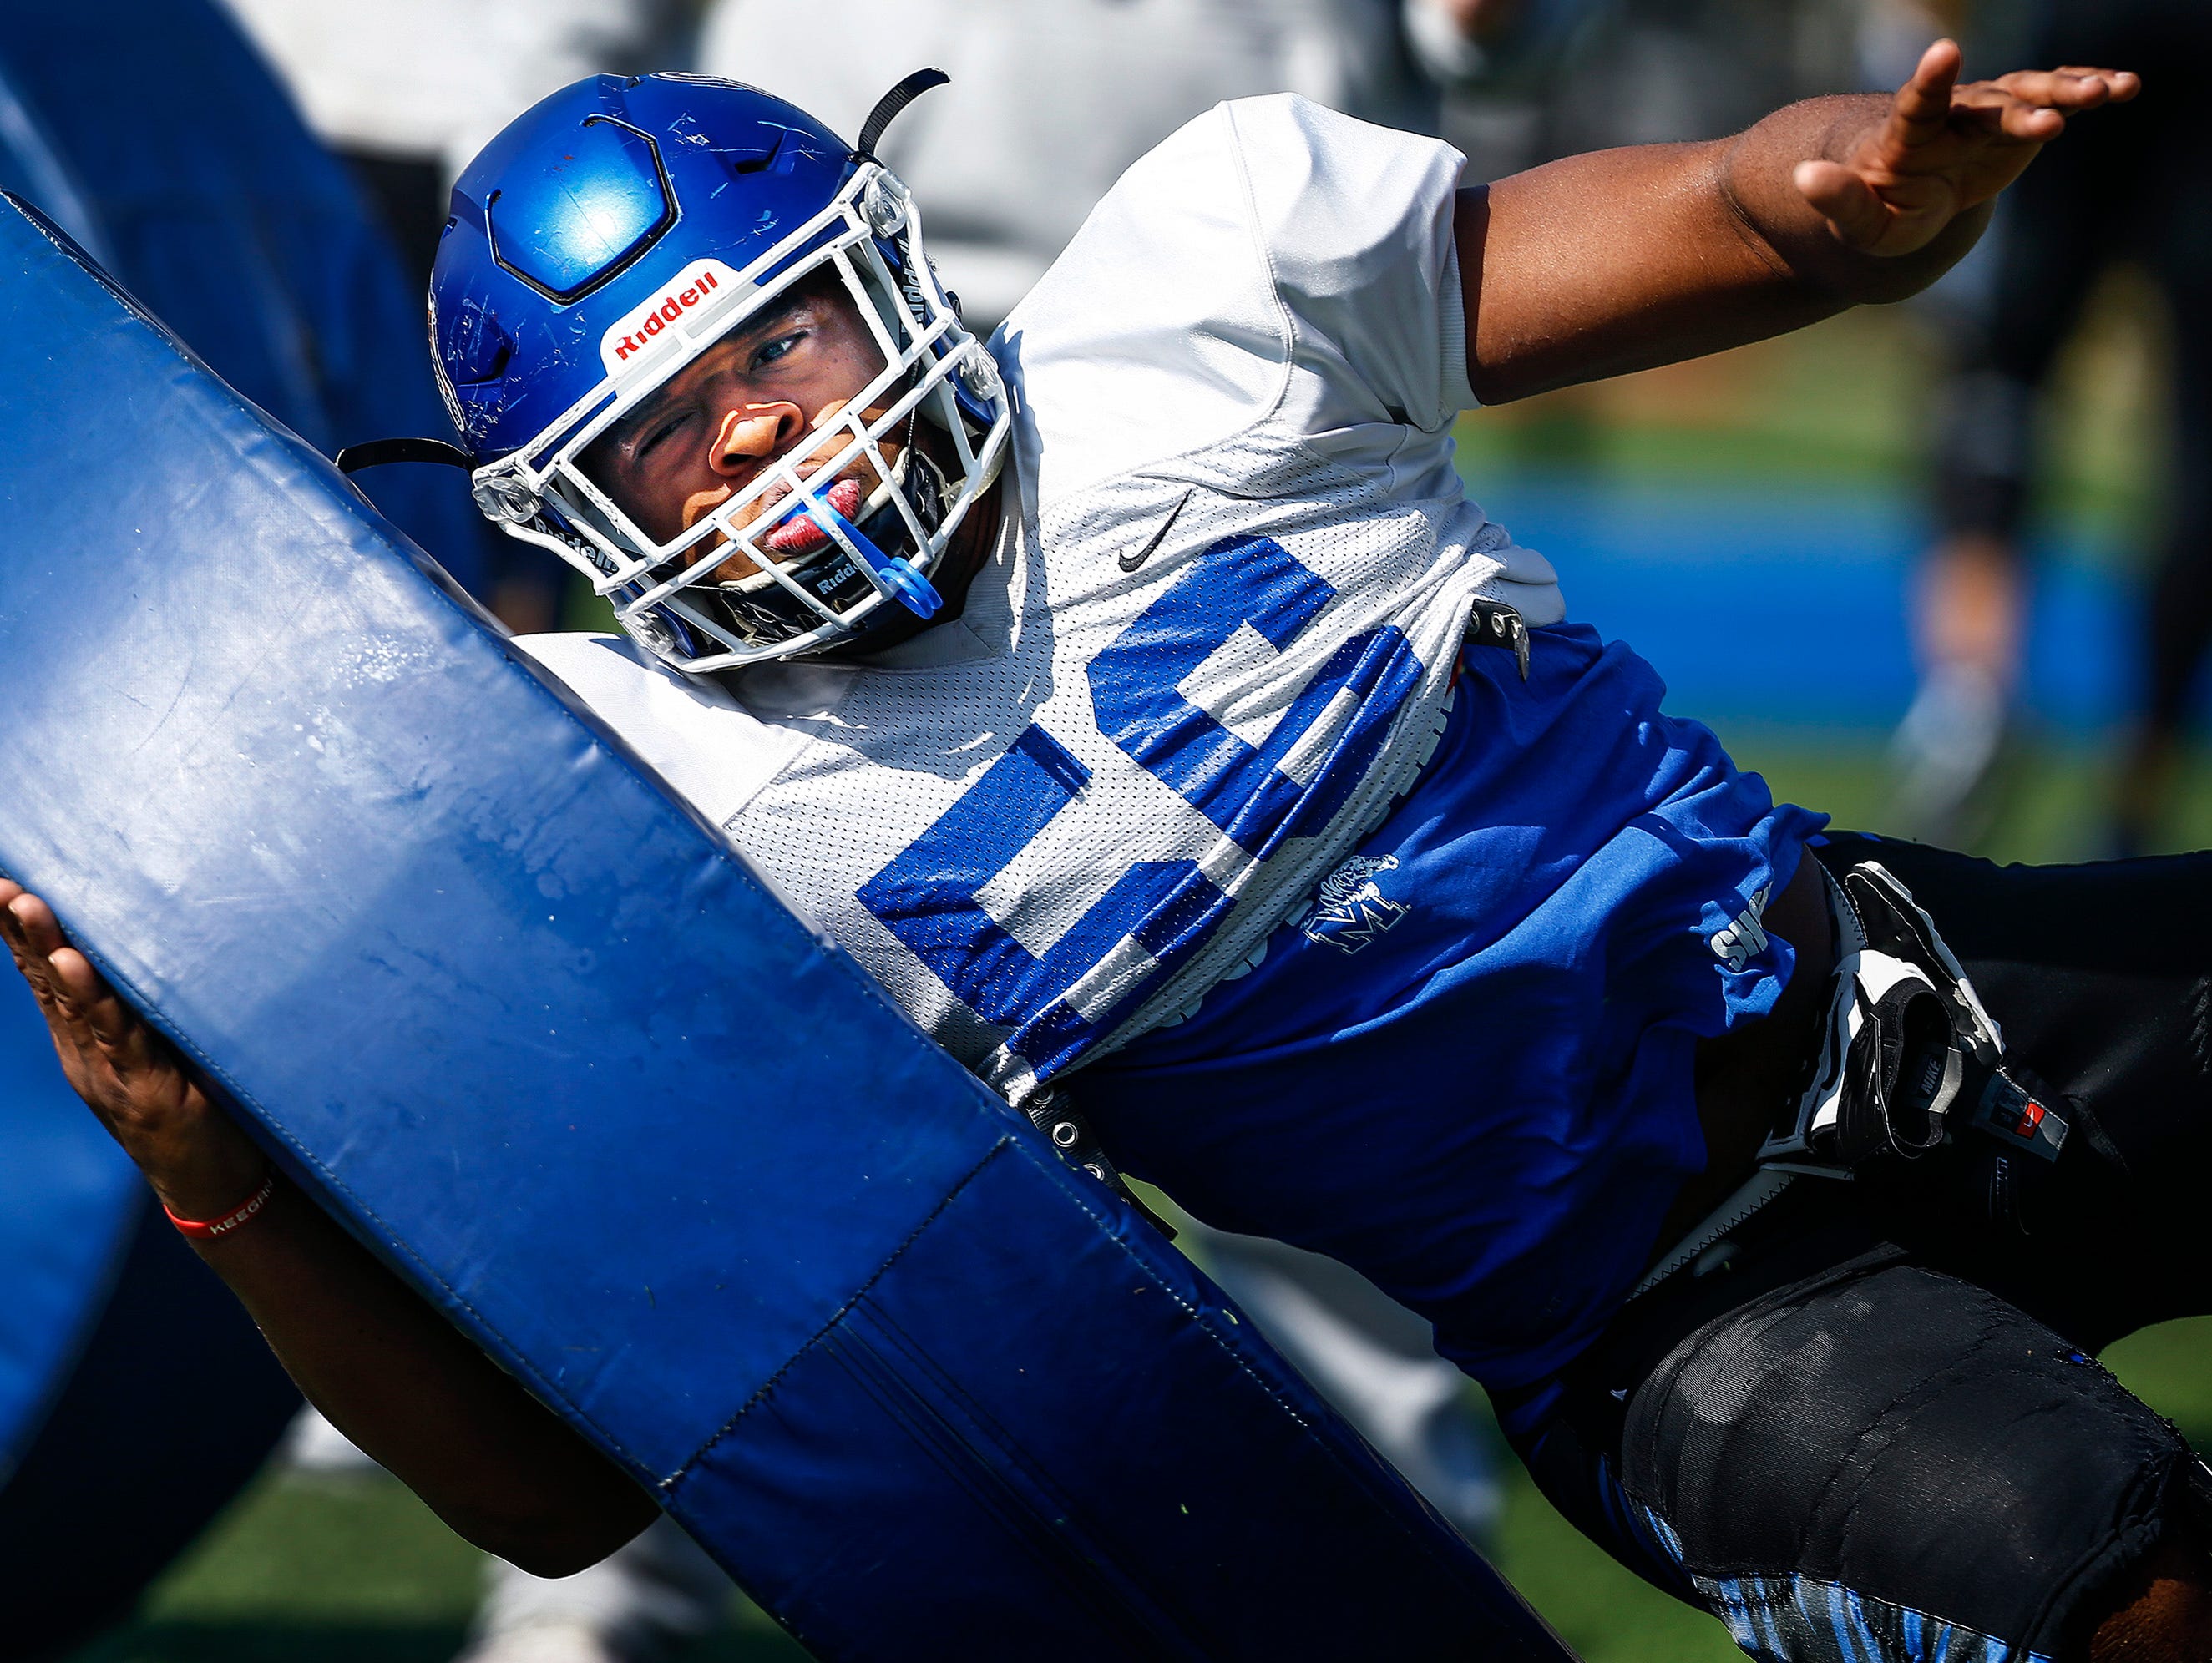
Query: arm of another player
{"points": [[388, 1371], [1622, 259]]}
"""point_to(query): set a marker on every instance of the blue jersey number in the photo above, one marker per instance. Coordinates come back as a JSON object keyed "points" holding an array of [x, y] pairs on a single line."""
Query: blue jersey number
{"points": [[1163, 911]]}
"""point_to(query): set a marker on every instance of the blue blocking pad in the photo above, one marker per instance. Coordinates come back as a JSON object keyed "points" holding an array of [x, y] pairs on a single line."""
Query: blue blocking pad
{"points": [[544, 1041]]}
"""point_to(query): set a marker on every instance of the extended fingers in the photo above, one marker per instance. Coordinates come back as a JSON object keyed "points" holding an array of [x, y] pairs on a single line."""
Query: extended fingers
{"points": [[65, 980], [34, 937], [1922, 105], [110, 1055], [2031, 107], [2075, 86], [1990, 109]]}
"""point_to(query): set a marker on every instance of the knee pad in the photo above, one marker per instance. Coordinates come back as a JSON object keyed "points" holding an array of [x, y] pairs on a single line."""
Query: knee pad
{"points": [[1886, 1462]]}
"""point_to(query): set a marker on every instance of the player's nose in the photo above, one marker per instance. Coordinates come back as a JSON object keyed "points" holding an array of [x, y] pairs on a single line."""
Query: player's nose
{"points": [[750, 432]]}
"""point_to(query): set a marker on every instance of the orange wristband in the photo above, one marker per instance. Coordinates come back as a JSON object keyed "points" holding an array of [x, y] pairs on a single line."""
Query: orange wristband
{"points": [[243, 1213]]}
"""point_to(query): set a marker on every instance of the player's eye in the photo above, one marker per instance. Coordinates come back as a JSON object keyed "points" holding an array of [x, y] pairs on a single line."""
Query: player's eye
{"points": [[768, 351], [657, 433]]}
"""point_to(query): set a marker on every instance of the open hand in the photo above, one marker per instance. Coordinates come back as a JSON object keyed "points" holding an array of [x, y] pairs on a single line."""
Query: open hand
{"points": [[1944, 149], [198, 1160]]}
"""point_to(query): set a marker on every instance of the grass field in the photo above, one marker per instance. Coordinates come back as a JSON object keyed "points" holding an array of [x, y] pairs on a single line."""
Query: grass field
{"points": [[355, 1570]]}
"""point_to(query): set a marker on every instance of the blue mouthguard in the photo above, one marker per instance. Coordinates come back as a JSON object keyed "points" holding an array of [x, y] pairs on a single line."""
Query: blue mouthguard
{"points": [[897, 579]]}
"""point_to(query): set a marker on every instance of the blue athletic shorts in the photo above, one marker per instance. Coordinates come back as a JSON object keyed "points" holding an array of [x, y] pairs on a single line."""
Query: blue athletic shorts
{"points": [[1465, 1071]]}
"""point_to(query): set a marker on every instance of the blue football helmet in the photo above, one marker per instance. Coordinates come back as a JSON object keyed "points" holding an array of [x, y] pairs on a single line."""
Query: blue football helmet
{"points": [[613, 233]]}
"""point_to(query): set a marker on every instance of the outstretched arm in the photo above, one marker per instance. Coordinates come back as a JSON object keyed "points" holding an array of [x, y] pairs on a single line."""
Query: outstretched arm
{"points": [[1622, 259], [392, 1375]]}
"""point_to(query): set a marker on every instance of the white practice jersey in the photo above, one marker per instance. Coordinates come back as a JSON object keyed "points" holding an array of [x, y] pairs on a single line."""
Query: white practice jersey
{"points": [[1215, 639]]}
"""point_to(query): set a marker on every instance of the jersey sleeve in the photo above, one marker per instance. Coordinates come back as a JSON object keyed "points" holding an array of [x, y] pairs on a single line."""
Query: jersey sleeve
{"points": [[1272, 265], [1355, 222]]}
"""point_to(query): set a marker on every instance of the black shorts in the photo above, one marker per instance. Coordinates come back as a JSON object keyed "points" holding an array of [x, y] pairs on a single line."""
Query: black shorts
{"points": [[1876, 1428]]}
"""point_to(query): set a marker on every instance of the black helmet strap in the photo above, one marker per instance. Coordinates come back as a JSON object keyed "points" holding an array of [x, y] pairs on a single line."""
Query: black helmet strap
{"points": [[888, 106], [379, 452]]}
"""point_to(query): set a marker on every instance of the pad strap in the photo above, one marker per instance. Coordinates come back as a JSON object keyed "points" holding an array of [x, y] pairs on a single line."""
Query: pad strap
{"points": [[1071, 1136], [1493, 623]]}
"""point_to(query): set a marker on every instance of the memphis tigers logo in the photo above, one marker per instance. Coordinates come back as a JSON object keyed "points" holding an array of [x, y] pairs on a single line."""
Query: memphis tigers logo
{"points": [[1351, 910]]}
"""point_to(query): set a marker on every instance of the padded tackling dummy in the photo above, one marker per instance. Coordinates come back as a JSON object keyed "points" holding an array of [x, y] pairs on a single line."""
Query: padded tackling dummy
{"points": [[543, 1041], [152, 132]]}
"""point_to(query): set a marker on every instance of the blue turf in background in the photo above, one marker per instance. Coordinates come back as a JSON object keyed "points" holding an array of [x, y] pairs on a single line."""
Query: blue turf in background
{"points": [[1789, 609], [545, 1042]]}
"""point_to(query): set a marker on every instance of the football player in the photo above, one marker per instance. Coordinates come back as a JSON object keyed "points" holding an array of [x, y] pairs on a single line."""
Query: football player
{"points": [[1142, 701]]}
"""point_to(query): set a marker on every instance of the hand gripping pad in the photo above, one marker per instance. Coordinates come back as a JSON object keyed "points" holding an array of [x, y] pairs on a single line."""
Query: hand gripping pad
{"points": [[544, 1041]]}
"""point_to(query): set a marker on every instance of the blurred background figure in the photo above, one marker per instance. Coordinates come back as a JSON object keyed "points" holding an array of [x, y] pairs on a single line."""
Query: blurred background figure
{"points": [[2138, 189], [1658, 71], [1052, 99], [650, 1600], [647, 1602], [406, 92], [657, 1595]]}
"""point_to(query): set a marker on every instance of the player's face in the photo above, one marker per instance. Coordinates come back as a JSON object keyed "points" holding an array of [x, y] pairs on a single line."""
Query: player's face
{"points": [[757, 395]]}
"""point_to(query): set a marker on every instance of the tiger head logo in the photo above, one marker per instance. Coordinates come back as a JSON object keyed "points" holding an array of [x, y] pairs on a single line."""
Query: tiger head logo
{"points": [[1351, 910]]}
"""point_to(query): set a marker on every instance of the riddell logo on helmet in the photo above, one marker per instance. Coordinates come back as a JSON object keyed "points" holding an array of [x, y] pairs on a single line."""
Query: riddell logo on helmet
{"points": [[639, 334]]}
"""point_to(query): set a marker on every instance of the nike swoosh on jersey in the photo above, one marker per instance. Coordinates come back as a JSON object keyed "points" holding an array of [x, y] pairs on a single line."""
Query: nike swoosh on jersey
{"points": [[1131, 562]]}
